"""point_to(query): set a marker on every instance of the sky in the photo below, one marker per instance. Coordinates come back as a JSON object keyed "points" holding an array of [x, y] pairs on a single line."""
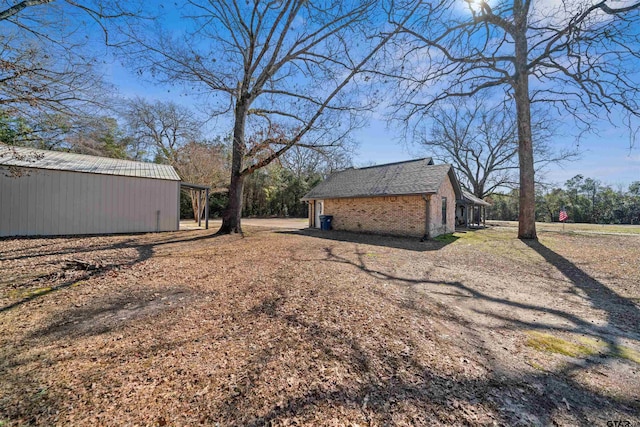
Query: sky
{"points": [[606, 157]]}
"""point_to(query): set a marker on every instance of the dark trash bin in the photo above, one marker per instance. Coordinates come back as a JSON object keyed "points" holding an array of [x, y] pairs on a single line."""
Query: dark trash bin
{"points": [[325, 222]]}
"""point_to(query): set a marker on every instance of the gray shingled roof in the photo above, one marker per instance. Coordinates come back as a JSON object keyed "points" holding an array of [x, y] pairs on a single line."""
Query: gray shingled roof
{"points": [[470, 198], [57, 160], [419, 176]]}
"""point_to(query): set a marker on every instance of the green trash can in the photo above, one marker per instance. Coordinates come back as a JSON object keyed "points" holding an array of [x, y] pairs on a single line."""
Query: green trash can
{"points": [[325, 222]]}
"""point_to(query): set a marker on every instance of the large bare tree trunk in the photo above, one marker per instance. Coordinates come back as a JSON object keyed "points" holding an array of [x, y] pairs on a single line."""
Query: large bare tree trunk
{"points": [[527, 210], [233, 211]]}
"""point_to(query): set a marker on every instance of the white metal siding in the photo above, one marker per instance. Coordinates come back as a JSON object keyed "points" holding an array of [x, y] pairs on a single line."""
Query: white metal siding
{"points": [[50, 202]]}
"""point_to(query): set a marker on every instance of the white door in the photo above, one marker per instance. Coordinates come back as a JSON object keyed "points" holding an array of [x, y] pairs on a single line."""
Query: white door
{"points": [[319, 211]]}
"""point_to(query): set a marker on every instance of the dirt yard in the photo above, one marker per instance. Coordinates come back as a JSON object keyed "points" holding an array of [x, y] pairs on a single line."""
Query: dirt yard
{"points": [[288, 328]]}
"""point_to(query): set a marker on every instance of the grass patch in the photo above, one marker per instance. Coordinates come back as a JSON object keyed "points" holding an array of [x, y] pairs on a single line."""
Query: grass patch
{"points": [[627, 353], [32, 293], [446, 238], [587, 347], [36, 292], [486, 236], [501, 243], [552, 344], [575, 228], [535, 365]]}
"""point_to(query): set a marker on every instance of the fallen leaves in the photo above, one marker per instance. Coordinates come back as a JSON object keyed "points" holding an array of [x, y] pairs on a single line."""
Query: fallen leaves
{"points": [[281, 329]]}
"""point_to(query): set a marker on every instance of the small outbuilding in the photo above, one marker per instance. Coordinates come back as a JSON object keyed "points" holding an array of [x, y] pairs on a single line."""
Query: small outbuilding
{"points": [[412, 198], [55, 193], [471, 211]]}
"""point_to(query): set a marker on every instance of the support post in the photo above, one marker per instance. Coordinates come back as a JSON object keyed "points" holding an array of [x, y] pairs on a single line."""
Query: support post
{"points": [[427, 222], [466, 216], [206, 210], [199, 208]]}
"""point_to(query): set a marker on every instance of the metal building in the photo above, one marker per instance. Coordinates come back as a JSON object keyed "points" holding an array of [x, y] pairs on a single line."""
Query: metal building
{"points": [[53, 193]]}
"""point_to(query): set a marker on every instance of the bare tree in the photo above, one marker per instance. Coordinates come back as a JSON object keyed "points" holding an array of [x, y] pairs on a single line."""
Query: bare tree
{"points": [[304, 162], [577, 57], [34, 80], [204, 163], [160, 129], [99, 136], [280, 69], [47, 63], [482, 143]]}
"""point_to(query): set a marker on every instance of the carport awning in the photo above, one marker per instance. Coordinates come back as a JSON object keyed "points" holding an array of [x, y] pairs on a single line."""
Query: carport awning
{"points": [[189, 186], [203, 199]]}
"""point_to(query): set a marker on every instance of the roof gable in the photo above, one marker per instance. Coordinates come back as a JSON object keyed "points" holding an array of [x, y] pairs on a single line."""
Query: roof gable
{"points": [[58, 160], [419, 176]]}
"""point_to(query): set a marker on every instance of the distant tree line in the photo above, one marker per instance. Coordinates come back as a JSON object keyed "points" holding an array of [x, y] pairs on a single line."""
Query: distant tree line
{"points": [[272, 191], [276, 190], [585, 200]]}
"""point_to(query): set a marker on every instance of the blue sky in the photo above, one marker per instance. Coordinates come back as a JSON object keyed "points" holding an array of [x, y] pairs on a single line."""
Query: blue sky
{"points": [[610, 161], [606, 157]]}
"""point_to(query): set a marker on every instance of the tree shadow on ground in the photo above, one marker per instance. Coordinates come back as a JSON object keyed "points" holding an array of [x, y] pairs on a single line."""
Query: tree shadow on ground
{"points": [[522, 398], [112, 313], [137, 241], [395, 386], [623, 315], [385, 385], [407, 243], [85, 271]]}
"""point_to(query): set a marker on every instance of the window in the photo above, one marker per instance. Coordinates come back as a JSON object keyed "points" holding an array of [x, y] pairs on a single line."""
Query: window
{"points": [[444, 211]]}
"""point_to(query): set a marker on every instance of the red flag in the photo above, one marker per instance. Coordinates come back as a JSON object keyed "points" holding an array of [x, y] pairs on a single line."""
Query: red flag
{"points": [[563, 215]]}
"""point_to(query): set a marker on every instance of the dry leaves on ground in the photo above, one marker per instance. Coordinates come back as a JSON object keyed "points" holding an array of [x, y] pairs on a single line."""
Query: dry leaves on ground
{"points": [[310, 328]]}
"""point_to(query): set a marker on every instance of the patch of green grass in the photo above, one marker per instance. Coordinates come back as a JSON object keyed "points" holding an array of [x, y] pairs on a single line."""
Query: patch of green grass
{"points": [[592, 342], [587, 347], [552, 344], [29, 293], [575, 227], [621, 351], [502, 243], [446, 238], [36, 292], [485, 236], [627, 353], [535, 365]]}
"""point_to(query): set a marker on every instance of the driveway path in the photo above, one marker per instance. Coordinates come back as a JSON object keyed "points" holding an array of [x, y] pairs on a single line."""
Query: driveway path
{"points": [[288, 223]]}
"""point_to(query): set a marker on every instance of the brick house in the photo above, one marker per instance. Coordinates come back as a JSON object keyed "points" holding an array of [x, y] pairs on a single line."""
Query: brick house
{"points": [[412, 198]]}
